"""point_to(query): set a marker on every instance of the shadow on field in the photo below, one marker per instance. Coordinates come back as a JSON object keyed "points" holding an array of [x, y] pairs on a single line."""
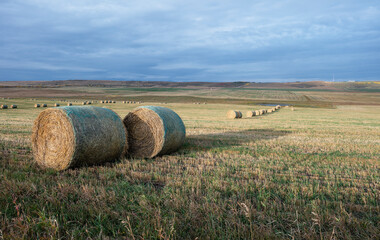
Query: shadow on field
{"points": [[207, 142]]}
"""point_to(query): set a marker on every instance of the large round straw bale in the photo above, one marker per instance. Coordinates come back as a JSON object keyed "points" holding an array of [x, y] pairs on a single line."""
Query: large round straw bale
{"points": [[3, 106], [251, 113], [66, 137], [36, 105], [13, 106], [69, 104], [44, 105], [154, 131], [234, 114]]}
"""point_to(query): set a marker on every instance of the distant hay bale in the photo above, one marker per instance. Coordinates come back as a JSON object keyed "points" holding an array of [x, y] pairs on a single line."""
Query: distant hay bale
{"points": [[84, 103], [76, 136], [124, 102], [3, 106], [44, 105], [102, 101], [56, 105], [89, 103], [69, 104], [36, 105], [13, 106], [292, 108], [257, 112], [251, 113], [269, 110], [234, 114], [154, 131]]}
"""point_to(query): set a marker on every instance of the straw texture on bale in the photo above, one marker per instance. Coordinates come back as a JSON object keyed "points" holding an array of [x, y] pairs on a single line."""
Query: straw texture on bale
{"points": [[154, 131], [4, 106], [37, 105], [66, 137], [13, 106], [251, 113], [234, 114]]}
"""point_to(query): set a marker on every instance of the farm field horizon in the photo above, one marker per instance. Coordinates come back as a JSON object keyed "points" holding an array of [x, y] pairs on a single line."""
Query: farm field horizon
{"points": [[311, 173]]}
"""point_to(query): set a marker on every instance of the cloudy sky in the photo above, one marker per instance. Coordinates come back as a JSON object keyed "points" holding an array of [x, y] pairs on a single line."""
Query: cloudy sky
{"points": [[198, 40]]}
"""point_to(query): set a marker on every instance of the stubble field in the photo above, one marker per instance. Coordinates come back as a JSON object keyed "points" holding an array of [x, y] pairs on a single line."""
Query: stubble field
{"points": [[311, 173]]}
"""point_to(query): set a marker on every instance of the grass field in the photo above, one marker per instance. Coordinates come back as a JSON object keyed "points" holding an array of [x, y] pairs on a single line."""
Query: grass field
{"points": [[311, 173]]}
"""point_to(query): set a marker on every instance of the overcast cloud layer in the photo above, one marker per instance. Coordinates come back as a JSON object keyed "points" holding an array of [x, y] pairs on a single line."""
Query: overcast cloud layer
{"points": [[240, 40]]}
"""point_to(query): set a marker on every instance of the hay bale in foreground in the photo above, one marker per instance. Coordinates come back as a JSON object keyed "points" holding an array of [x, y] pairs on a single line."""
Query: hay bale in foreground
{"points": [[13, 106], [234, 114], [37, 105], [66, 137], [251, 113], [154, 131], [3, 106]]}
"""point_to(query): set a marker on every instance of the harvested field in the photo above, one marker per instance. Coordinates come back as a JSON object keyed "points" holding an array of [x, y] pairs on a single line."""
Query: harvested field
{"points": [[310, 173]]}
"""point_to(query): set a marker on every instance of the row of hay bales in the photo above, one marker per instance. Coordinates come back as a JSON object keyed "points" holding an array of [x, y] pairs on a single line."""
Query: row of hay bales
{"points": [[4, 106], [233, 114], [131, 102], [66, 137], [107, 101]]}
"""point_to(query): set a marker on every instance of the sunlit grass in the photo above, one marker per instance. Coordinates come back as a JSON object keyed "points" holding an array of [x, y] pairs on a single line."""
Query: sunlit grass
{"points": [[303, 174]]}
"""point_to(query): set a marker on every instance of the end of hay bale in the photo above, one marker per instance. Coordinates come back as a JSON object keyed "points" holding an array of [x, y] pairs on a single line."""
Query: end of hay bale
{"points": [[13, 106], [153, 131], [56, 105], [37, 105], [251, 113], [3, 106], [69, 104], [232, 114], [44, 105]]}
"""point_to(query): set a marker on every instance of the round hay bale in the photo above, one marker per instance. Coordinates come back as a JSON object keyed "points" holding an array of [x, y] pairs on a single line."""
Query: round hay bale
{"points": [[89, 103], [257, 113], [84, 103], [3, 106], [76, 136], [56, 105], [234, 114], [251, 113], [154, 131], [13, 106], [44, 105], [69, 104], [36, 105]]}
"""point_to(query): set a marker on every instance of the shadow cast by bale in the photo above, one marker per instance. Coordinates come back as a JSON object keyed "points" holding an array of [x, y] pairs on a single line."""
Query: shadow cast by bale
{"points": [[206, 142]]}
